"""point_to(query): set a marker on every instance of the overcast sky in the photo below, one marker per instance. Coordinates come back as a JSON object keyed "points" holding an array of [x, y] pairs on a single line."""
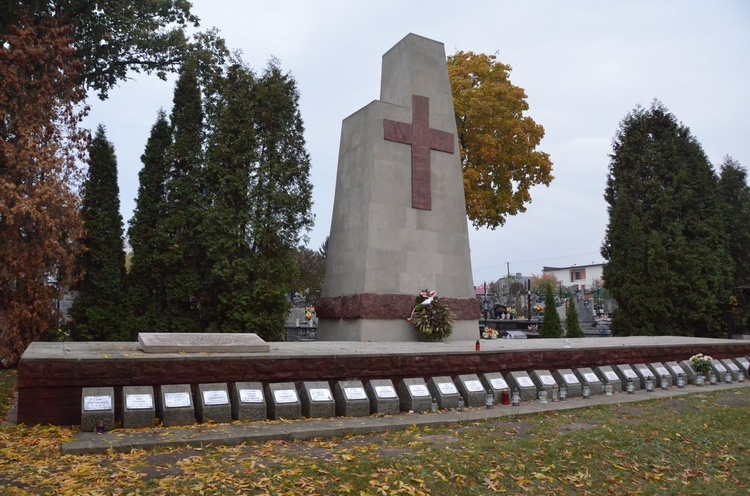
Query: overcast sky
{"points": [[584, 66]]}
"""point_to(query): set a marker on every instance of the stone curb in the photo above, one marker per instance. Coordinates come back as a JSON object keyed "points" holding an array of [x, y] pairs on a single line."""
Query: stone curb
{"points": [[123, 441]]}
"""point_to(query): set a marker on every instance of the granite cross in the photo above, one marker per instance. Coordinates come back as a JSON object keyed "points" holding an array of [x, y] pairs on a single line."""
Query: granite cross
{"points": [[422, 139]]}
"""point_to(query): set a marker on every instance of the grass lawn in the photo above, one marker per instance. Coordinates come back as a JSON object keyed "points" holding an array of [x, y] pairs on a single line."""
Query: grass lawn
{"points": [[693, 444]]}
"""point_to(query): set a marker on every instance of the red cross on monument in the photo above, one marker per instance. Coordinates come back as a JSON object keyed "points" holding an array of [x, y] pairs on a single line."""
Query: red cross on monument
{"points": [[422, 139]]}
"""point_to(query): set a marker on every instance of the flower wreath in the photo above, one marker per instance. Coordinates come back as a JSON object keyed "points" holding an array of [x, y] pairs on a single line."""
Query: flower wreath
{"points": [[431, 317]]}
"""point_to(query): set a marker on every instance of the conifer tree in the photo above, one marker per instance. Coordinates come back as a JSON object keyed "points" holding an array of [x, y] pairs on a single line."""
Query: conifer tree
{"points": [[735, 194], [551, 327], [665, 246], [572, 325], [148, 240], [98, 310]]}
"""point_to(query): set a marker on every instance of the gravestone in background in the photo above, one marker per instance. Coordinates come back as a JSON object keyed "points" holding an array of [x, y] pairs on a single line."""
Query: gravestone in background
{"points": [[97, 405], [138, 407], [399, 221]]}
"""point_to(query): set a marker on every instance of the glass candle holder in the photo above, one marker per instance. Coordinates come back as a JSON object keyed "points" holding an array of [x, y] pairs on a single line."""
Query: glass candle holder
{"points": [[542, 396], [489, 400], [728, 377], [505, 397], [649, 384], [712, 378], [516, 398], [563, 392], [586, 391], [608, 389], [630, 387], [680, 380], [434, 406], [740, 376], [555, 393], [664, 383]]}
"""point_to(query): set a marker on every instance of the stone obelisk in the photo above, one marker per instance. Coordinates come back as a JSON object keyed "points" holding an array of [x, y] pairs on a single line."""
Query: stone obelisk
{"points": [[399, 219]]}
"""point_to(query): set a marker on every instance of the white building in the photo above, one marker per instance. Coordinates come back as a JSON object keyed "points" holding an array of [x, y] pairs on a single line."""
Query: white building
{"points": [[578, 277]]}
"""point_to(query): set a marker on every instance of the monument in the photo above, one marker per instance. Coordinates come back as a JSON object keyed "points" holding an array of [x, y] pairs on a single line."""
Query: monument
{"points": [[399, 221]]}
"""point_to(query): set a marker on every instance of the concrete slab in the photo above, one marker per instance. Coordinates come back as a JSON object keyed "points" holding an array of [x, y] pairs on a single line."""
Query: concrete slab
{"points": [[192, 342]]}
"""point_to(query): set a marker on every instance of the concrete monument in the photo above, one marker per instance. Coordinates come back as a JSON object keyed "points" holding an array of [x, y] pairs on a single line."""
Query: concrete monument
{"points": [[399, 218]]}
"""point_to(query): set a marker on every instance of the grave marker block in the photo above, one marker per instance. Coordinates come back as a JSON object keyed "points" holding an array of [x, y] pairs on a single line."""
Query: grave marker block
{"points": [[317, 399], [731, 367], [607, 375], [471, 388], [414, 395], [351, 399], [248, 401], [283, 401], [643, 372], [495, 382], [588, 375], [543, 379], [444, 390], [138, 407], [744, 364], [690, 372], [720, 369], [520, 380], [675, 369], [570, 379], [213, 404], [658, 369], [175, 405], [383, 397], [625, 372], [97, 405]]}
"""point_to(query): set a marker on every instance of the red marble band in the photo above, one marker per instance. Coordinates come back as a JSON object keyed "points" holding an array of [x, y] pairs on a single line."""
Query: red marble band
{"points": [[388, 306]]}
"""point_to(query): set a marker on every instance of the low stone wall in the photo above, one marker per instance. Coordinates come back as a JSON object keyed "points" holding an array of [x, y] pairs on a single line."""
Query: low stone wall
{"points": [[49, 386]]}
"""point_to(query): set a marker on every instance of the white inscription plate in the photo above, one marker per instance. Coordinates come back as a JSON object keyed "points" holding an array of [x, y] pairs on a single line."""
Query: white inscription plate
{"points": [[176, 400], [320, 394], [215, 398], [662, 371], [96, 403], [524, 381], [355, 393], [590, 377], [473, 386], [418, 390], [499, 383], [385, 391], [630, 373], [547, 380], [251, 396], [447, 388], [718, 366], [285, 396], [677, 369], [139, 402], [570, 378], [611, 376]]}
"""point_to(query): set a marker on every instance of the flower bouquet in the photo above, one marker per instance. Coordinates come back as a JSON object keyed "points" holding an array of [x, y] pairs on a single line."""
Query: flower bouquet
{"points": [[489, 334], [701, 363]]}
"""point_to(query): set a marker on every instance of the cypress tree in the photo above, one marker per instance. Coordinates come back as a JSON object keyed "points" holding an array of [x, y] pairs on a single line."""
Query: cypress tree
{"points": [[572, 325], [148, 240], [551, 327], [97, 312], [735, 194], [667, 265]]}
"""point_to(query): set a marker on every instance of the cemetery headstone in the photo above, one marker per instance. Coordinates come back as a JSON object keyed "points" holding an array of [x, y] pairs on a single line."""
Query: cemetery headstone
{"points": [[383, 397], [643, 372], [731, 367], [589, 376], [175, 406], [351, 399], [444, 390], [675, 369], [720, 369], [607, 375], [625, 372], [283, 401], [471, 389], [543, 380], [520, 380], [659, 370], [138, 407], [399, 216], [744, 364], [495, 382], [414, 395], [248, 401], [568, 378], [690, 373], [213, 404], [317, 399], [97, 409]]}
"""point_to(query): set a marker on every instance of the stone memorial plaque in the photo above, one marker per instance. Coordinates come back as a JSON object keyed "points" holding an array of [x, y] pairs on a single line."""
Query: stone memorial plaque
{"points": [[498, 383], [176, 400], [471, 390], [317, 394], [285, 396], [611, 376], [139, 401], [570, 378], [521, 381], [418, 390], [719, 367], [525, 382], [547, 380], [195, 342], [744, 364], [590, 377], [97, 403], [586, 374], [251, 396], [385, 392], [214, 397], [447, 388], [474, 386], [676, 369], [355, 393], [630, 374], [662, 371]]}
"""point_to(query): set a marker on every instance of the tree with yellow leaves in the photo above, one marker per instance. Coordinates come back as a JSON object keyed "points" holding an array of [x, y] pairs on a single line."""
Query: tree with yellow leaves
{"points": [[497, 141]]}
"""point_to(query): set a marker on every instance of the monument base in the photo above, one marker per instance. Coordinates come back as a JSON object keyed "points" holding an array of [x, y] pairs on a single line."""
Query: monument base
{"points": [[368, 330]]}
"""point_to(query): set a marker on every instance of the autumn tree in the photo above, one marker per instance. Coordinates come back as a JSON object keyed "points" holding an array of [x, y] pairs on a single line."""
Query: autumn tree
{"points": [[551, 326], [99, 311], [539, 284], [665, 244], [311, 265], [498, 143], [39, 144]]}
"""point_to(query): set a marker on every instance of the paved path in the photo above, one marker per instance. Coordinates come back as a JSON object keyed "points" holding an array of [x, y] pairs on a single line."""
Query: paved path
{"points": [[123, 440]]}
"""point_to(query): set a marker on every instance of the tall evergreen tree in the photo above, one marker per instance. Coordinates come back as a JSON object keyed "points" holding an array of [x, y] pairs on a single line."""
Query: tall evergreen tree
{"points": [[97, 313], [551, 327], [572, 325], [736, 214], [148, 240], [667, 265]]}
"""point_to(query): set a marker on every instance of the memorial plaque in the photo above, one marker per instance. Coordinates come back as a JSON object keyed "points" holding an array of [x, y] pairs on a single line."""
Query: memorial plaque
{"points": [[97, 409], [215, 398], [317, 394], [520, 380], [659, 370], [744, 364], [496, 384], [643, 373], [525, 382], [625, 372], [139, 407], [317, 399], [690, 373], [177, 400], [471, 389], [414, 395], [180, 342], [418, 390], [355, 393], [444, 390], [351, 399], [97, 403], [175, 405], [447, 388], [283, 401], [286, 396], [589, 376], [248, 401], [212, 403], [609, 376], [383, 397], [568, 378], [543, 379], [731, 367]]}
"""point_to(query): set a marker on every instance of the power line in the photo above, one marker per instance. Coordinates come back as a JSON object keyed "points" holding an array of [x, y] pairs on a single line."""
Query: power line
{"points": [[538, 260]]}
